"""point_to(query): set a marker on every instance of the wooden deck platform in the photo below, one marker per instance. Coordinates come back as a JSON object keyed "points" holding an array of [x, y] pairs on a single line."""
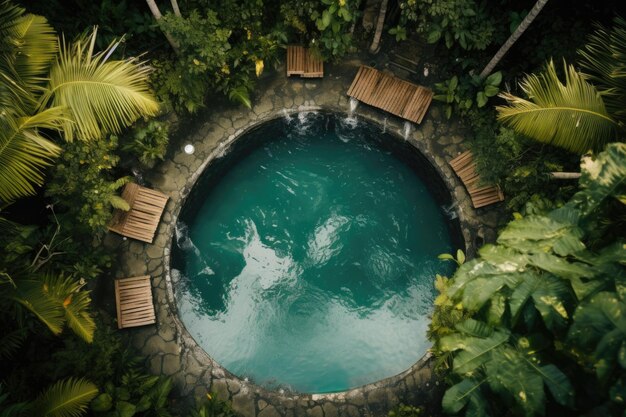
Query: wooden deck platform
{"points": [[133, 298], [386, 92], [301, 62], [142, 220], [481, 195]]}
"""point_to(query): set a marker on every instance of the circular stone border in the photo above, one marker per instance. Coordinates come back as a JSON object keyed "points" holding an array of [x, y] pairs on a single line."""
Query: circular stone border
{"points": [[172, 351]]}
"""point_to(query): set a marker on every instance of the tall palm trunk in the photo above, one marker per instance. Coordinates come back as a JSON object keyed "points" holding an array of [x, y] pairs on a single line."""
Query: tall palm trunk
{"points": [[175, 7], [509, 42], [379, 27], [157, 15]]}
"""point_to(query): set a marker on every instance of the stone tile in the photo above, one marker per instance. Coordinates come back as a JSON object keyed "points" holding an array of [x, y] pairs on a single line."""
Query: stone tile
{"points": [[156, 345], [330, 410], [315, 412], [269, 411], [171, 364], [220, 389], [244, 405]]}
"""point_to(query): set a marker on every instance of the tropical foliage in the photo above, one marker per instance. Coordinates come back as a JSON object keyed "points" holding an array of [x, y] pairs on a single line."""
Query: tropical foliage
{"points": [[461, 95], [68, 88], [570, 115], [465, 23], [541, 312], [585, 112]]}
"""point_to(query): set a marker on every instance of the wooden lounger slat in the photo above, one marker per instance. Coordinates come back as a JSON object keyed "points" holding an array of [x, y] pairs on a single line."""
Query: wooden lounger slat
{"points": [[134, 304], [480, 194], [391, 94], [142, 220], [300, 61]]}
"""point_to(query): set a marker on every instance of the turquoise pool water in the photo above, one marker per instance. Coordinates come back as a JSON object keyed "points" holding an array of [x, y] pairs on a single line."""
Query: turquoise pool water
{"points": [[305, 258]]}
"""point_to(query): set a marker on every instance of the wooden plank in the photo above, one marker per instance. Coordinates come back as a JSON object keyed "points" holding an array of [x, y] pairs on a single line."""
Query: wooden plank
{"points": [[391, 94], [355, 81], [142, 220], [134, 304]]}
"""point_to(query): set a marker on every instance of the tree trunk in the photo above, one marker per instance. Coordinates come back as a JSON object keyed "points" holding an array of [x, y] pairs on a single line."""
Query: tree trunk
{"points": [[157, 15], [379, 27], [509, 42], [175, 8], [565, 175]]}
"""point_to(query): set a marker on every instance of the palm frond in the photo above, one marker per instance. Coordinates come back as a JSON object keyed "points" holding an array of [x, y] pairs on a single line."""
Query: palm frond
{"points": [[570, 115], [24, 151], [603, 59], [32, 294], [38, 46], [103, 96], [75, 301], [66, 398], [10, 342]]}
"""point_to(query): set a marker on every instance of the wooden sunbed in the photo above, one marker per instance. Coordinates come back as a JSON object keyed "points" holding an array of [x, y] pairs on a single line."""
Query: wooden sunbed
{"points": [[142, 220], [481, 195], [300, 61], [133, 298], [391, 94]]}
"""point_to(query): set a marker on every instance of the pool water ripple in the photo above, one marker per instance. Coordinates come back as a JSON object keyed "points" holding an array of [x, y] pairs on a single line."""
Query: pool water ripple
{"points": [[307, 261]]}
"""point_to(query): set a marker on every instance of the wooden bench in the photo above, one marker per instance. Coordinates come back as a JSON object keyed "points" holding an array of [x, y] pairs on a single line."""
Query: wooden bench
{"points": [[481, 195], [133, 299], [391, 94], [300, 61], [142, 220]]}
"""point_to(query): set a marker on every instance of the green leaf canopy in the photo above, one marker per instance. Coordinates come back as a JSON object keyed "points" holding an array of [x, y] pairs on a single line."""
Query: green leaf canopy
{"points": [[570, 115]]}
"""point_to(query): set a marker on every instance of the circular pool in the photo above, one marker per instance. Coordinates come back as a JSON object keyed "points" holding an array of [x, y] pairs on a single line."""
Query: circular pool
{"points": [[305, 257]]}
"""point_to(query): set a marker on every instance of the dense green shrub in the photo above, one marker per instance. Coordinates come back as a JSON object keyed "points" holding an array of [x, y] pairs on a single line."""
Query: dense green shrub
{"points": [[147, 140], [82, 185], [546, 311]]}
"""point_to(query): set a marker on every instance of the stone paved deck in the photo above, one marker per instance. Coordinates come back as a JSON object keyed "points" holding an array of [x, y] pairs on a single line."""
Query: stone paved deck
{"points": [[170, 350]]}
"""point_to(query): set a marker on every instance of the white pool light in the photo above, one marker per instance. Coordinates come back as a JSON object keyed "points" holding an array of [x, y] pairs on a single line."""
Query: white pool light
{"points": [[189, 149]]}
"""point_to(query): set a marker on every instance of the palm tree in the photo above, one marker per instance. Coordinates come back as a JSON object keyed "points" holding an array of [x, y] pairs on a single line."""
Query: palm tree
{"points": [[65, 398], [55, 300], [588, 110], [571, 115], [157, 16], [380, 22], [67, 88], [514, 36]]}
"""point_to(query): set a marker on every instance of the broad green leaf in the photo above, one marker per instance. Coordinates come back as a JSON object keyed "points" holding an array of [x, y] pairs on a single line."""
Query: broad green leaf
{"points": [[481, 99], [499, 254], [433, 36], [446, 257], [494, 79], [557, 382], [508, 372], [460, 256], [102, 403], [491, 90], [599, 328], [536, 233], [478, 291], [474, 328], [497, 309], [457, 396], [477, 352], [125, 409]]}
